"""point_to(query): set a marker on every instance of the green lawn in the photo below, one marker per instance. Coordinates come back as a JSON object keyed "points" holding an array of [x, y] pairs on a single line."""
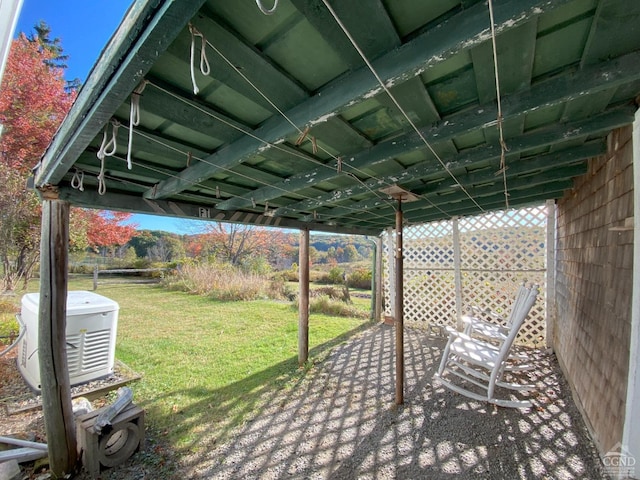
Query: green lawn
{"points": [[207, 364]]}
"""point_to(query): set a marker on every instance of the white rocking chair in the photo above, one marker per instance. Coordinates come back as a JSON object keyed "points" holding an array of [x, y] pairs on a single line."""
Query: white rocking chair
{"points": [[497, 328], [483, 363]]}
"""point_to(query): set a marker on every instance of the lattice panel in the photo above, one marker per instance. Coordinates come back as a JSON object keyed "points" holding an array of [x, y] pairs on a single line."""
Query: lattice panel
{"points": [[428, 246], [430, 297], [498, 251], [496, 290]]}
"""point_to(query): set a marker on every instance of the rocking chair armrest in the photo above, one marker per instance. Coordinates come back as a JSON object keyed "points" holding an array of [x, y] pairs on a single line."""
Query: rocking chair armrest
{"points": [[498, 318], [475, 323], [453, 333], [457, 333], [476, 310]]}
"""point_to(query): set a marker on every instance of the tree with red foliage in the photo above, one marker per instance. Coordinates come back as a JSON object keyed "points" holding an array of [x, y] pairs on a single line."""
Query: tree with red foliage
{"points": [[33, 102], [106, 231]]}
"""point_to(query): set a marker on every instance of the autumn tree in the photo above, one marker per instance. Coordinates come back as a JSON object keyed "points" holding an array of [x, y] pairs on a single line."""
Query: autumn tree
{"points": [[33, 102], [350, 253], [234, 242], [108, 230]]}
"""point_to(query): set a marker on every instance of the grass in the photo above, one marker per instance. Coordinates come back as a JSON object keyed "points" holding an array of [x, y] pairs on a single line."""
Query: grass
{"points": [[207, 364]]}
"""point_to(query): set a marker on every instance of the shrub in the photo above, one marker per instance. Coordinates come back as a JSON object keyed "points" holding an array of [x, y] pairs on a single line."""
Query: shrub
{"points": [[221, 281], [9, 327], [323, 304], [7, 306], [360, 278], [334, 277], [330, 292], [287, 276], [279, 290]]}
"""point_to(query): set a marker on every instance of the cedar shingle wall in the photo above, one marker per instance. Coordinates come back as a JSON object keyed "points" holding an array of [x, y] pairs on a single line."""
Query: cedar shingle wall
{"points": [[594, 282]]}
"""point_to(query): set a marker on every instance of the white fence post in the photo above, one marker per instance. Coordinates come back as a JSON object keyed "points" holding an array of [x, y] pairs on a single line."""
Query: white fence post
{"points": [[457, 266], [391, 263], [551, 273]]}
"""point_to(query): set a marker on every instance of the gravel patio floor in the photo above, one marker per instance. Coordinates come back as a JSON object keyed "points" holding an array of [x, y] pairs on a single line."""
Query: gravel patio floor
{"points": [[340, 422]]}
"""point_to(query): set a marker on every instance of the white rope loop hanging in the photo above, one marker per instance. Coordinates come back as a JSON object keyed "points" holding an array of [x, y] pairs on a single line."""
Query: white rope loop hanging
{"points": [[267, 11], [77, 181], [205, 69], [107, 149], [134, 116]]}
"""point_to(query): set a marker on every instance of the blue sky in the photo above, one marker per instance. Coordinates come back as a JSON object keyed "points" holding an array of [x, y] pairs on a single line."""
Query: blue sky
{"points": [[84, 28]]}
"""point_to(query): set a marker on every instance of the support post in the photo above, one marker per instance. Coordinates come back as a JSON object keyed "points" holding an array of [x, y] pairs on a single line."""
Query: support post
{"points": [[54, 372], [95, 277], [631, 429], [551, 273], [377, 315], [457, 271], [303, 298], [399, 309]]}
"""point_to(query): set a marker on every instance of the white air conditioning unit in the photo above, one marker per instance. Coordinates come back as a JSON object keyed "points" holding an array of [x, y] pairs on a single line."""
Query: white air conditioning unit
{"points": [[92, 322]]}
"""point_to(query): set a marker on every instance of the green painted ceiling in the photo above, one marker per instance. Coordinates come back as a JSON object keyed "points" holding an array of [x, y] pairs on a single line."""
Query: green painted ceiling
{"points": [[569, 73]]}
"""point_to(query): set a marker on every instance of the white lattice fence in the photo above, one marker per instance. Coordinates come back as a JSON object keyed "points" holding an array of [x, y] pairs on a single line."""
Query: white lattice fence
{"points": [[498, 251]]}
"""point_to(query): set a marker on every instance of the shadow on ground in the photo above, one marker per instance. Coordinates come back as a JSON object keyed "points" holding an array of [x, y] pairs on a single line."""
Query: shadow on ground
{"points": [[340, 421]]}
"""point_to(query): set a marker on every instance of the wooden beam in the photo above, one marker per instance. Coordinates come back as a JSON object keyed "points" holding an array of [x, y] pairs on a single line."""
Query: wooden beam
{"points": [[276, 85], [553, 91], [487, 196], [551, 136], [184, 109], [413, 58], [494, 202], [52, 343], [143, 36], [555, 162], [134, 203], [303, 298]]}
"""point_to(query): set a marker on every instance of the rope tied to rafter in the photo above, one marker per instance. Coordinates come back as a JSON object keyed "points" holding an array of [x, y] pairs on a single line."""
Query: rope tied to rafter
{"points": [[134, 116], [267, 11], [77, 181], [205, 69], [107, 149]]}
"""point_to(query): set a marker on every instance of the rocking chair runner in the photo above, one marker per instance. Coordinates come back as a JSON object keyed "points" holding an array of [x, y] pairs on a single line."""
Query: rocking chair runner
{"points": [[483, 363]]}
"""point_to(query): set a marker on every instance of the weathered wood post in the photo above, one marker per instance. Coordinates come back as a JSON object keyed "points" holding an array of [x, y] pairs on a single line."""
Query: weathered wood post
{"points": [[52, 323], [303, 298], [401, 195], [95, 277]]}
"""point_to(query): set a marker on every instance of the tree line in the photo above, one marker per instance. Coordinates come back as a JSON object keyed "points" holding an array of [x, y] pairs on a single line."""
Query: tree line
{"points": [[254, 248]]}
